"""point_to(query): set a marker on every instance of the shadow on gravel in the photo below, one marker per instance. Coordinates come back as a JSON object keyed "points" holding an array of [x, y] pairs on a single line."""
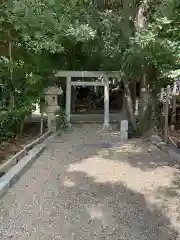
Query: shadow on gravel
{"points": [[140, 156], [94, 191], [101, 205], [106, 207], [112, 211]]}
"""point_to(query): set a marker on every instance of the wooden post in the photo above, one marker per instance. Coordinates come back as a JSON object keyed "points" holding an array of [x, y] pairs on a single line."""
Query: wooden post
{"points": [[162, 94], [68, 99], [41, 124], [132, 88], [137, 107], [173, 115], [129, 105], [106, 102], [163, 106], [143, 93], [166, 113]]}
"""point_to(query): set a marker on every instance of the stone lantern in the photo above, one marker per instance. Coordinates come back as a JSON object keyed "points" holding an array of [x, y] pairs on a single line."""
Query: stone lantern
{"points": [[52, 94]]}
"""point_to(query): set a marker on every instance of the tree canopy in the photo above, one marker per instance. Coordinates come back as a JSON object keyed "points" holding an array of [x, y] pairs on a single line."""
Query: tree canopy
{"points": [[135, 37]]}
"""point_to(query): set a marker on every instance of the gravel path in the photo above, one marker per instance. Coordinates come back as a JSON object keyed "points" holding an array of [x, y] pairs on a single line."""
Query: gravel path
{"points": [[86, 187]]}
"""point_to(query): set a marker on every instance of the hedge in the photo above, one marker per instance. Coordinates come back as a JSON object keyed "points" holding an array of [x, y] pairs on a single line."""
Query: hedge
{"points": [[11, 122]]}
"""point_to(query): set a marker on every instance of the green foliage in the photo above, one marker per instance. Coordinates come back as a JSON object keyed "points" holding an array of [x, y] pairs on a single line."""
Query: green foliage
{"points": [[61, 119], [46, 25], [12, 120], [156, 48], [132, 133], [37, 37]]}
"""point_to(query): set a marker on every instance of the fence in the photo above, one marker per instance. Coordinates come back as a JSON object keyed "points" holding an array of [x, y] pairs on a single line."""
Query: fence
{"points": [[169, 111]]}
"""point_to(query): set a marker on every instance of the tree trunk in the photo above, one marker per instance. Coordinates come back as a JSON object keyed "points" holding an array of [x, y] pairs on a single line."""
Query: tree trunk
{"points": [[41, 124], [21, 127], [133, 94], [128, 8], [140, 24], [42, 110], [173, 115], [143, 96], [145, 106], [12, 98], [166, 114], [132, 117]]}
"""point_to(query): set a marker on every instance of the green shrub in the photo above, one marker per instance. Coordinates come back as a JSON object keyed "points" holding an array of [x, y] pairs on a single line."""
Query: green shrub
{"points": [[11, 121], [61, 119], [132, 133]]}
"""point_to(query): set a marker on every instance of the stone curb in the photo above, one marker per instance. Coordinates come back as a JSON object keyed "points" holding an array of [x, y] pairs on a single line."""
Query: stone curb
{"points": [[16, 158], [170, 150], [7, 180]]}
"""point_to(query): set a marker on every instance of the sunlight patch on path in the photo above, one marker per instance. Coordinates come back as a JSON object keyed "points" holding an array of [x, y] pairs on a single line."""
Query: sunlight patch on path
{"points": [[106, 170]]}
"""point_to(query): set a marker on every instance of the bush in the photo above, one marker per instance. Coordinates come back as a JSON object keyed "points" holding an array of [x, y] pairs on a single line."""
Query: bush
{"points": [[132, 133], [61, 119], [11, 121]]}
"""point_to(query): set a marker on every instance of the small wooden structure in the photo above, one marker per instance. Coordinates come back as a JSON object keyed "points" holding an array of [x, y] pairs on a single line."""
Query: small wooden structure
{"points": [[171, 109]]}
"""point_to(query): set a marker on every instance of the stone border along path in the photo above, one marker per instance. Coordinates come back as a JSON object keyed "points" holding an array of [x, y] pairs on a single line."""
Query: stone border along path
{"points": [[86, 186], [5, 167]]}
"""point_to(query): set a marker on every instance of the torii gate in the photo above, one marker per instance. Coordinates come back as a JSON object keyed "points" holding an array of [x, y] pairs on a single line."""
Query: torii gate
{"points": [[104, 76]]}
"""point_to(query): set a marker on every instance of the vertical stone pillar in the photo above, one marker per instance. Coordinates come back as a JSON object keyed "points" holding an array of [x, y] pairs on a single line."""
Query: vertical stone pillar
{"points": [[68, 98], [124, 130], [106, 102]]}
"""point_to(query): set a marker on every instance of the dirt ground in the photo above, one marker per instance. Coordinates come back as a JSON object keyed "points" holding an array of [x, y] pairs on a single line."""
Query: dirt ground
{"points": [[87, 185], [12, 146]]}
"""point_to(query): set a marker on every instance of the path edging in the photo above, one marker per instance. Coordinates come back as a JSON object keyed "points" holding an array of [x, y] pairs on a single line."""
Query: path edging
{"points": [[16, 158], [9, 178], [171, 150]]}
